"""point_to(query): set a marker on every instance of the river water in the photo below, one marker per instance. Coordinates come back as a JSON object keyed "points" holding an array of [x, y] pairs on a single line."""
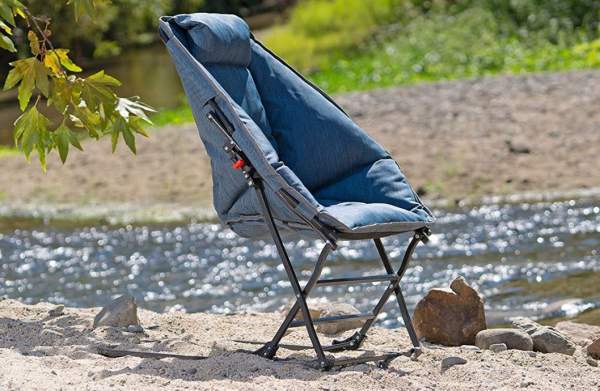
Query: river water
{"points": [[502, 250]]}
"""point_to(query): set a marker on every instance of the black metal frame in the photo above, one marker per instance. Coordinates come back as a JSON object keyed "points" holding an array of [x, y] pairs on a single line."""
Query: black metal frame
{"points": [[325, 362]]}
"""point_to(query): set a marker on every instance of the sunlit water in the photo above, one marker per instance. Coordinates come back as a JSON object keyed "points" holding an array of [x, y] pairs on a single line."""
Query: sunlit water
{"points": [[203, 267]]}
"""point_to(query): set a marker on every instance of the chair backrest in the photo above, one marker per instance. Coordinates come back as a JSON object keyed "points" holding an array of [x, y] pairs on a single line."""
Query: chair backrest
{"points": [[294, 135]]}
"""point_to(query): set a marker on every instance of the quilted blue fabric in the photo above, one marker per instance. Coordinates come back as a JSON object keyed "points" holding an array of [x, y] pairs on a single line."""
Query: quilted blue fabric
{"points": [[295, 136]]}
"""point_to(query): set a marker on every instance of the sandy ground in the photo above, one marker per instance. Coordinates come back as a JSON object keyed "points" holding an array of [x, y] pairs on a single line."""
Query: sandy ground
{"points": [[451, 139], [42, 352]]}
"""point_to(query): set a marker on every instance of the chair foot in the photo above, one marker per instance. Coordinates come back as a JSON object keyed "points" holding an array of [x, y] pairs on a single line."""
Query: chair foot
{"points": [[351, 343], [415, 353], [268, 350]]}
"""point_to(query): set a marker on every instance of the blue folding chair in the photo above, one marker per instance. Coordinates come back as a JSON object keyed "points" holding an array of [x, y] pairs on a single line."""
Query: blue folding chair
{"points": [[287, 161]]}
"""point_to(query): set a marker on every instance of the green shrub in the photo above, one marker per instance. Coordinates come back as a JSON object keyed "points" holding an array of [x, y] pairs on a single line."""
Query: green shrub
{"points": [[320, 29]]}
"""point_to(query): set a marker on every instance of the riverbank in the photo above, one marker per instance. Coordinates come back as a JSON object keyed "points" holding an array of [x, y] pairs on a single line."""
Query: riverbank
{"points": [[40, 351], [454, 140]]}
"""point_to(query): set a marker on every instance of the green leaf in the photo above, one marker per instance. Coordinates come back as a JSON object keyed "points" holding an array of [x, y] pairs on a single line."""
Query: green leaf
{"points": [[6, 13], [75, 141], [25, 90], [5, 27], [102, 78], [7, 43], [41, 78], [114, 139], [129, 139], [97, 90], [62, 139], [14, 76], [82, 7], [31, 129]]}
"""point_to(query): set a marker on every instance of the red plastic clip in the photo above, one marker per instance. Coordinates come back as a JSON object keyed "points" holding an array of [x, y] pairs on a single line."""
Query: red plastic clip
{"points": [[239, 164]]}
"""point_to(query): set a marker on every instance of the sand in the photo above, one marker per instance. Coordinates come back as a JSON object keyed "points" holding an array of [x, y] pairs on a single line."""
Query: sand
{"points": [[59, 353], [450, 138]]}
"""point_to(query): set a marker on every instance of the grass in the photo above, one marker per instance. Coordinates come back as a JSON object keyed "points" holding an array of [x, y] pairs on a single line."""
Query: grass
{"points": [[175, 116], [8, 151]]}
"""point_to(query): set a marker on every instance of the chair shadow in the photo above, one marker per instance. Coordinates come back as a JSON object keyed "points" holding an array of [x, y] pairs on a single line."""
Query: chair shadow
{"points": [[49, 337]]}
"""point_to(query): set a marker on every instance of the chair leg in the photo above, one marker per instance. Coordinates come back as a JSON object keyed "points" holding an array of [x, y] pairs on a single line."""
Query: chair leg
{"points": [[324, 362], [393, 287], [270, 349], [397, 290]]}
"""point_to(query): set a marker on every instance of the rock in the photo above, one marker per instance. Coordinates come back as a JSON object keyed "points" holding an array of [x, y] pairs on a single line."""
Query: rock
{"points": [[532, 354], [57, 311], [321, 310], [594, 349], [135, 328], [121, 312], [471, 348], [512, 338], [550, 340], [592, 362], [580, 333], [450, 317], [498, 347], [451, 361], [517, 147], [545, 339], [526, 324]]}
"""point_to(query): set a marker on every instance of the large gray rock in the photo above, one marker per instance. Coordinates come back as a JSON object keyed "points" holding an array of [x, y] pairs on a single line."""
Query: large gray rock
{"points": [[322, 310], [512, 338], [545, 339], [120, 312], [550, 340], [450, 317]]}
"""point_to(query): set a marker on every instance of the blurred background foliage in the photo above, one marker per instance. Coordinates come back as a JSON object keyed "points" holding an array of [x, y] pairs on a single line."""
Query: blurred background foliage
{"points": [[342, 45], [351, 44]]}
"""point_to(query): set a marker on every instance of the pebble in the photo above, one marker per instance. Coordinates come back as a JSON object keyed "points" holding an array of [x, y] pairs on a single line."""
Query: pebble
{"points": [[498, 347], [592, 362], [135, 328], [532, 354], [471, 348], [451, 361]]}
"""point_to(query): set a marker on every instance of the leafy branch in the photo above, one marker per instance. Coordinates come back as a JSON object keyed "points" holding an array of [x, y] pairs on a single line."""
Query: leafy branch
{"points": [[84, 105]]}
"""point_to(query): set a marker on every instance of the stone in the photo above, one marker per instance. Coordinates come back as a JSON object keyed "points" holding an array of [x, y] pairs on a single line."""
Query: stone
{"points": [[121, 312], [451, 361], [135, 328], [512, 338], [321, 310], [580, 333], [550, 340], [594, 349], [545, 339], [517, 147], [498, 347], [592, 362], [525, 324], [471, 348], [57, 311], [450, 317]]}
